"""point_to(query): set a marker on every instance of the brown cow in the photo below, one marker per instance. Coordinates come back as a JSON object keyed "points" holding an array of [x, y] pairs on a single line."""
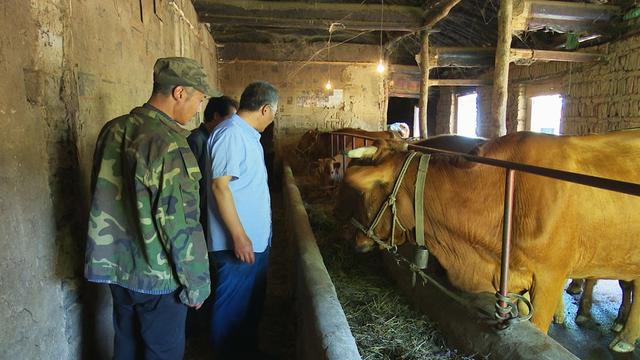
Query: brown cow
{"points": [[456, 143], [561, 230], [329, 171], [348, 199]]}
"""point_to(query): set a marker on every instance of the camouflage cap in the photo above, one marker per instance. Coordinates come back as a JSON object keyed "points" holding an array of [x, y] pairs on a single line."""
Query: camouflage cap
{"points": [[183, 71]]}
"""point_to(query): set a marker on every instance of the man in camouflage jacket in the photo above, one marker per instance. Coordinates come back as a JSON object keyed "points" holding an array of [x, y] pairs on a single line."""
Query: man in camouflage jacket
{"points": [[144, 237]]}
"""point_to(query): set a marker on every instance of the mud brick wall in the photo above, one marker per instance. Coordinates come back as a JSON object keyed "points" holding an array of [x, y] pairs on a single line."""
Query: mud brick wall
{"points": [[68, 67], [597, 97], [357, 100]]}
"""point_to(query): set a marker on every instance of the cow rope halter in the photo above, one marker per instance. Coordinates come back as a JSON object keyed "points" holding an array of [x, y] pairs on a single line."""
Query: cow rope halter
{"points": [[389, 203], [505, 315]]}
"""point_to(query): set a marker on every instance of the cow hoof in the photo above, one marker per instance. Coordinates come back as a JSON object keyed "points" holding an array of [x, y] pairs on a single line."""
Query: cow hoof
{"points": [[574, 289], [582, 319], [620, 346], [617, 327], [558, 320]]}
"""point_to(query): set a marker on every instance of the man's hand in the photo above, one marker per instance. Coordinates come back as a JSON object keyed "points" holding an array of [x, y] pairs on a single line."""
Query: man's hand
{"points": [[243, 248], [197, 306]]}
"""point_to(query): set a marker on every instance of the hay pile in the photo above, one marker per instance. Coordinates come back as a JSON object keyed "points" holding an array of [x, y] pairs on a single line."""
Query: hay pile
{"points": [[381, 320]]}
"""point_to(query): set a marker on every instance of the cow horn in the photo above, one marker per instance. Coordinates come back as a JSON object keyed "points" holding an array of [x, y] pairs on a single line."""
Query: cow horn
{"points": [[362, 152]]}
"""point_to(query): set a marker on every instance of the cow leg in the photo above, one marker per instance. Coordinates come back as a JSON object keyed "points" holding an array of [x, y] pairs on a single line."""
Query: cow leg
{"points": [[584, 310], [623, 312], [545, 294], [625, 341], [558, 315], [575, 287]]}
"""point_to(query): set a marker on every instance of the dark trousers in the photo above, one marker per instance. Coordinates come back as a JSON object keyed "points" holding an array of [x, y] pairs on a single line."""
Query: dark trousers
{"points": [[147, 326], [237, 304]]}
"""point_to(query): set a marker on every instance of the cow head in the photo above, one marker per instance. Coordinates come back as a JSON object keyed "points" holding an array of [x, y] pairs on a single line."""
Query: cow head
{"points": [[366, 188], [307, 141]]}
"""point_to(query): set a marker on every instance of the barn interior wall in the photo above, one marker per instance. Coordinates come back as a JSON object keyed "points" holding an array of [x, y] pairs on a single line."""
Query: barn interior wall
{"points": [[445, 119], [484, 125], [598, 97], [69, 67], [358, 99]]}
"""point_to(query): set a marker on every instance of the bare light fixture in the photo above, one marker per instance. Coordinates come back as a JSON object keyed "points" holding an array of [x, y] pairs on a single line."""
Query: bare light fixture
{"points": [[328, 85], [381, 68]]}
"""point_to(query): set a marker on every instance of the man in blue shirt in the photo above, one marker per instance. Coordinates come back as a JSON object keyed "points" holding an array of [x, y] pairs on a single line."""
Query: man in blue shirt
{"points": [[218, 109], [239, 218]]}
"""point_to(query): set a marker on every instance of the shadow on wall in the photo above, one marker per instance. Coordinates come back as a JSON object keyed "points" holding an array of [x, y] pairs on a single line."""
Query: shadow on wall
{"points": [[97, 320], [87, 307]]}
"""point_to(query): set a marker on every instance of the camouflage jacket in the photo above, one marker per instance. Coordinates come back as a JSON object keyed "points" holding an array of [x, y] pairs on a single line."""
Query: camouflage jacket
{"points": [[144, 232]]}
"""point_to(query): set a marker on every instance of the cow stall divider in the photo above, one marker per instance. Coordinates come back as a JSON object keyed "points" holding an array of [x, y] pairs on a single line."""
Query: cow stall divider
{"points": [[323, 330], [505, 311]]}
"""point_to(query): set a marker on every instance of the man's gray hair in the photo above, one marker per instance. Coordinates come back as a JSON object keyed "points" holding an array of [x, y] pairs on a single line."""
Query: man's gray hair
{"points": [[166, 90], [258, 94]]}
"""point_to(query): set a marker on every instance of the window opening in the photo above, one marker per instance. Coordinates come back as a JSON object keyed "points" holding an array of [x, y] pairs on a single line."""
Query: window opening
{"points": [[545, 114], [467, 115]]}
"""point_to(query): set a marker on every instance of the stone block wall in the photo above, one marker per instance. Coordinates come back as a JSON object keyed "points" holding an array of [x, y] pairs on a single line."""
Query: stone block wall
{"points": [[69, 67], [598, 97]]}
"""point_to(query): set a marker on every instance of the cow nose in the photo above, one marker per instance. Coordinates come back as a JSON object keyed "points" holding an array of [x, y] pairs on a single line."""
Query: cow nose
{"points": [[362, 248], [363, 244]]}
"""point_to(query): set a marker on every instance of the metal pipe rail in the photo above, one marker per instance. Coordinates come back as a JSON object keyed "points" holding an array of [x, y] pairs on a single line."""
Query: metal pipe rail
{"points": [[510, 167]]}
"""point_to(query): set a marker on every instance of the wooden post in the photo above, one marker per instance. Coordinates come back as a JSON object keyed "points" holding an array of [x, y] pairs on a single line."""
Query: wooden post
{"points": [[424, 84], [501, 72]]}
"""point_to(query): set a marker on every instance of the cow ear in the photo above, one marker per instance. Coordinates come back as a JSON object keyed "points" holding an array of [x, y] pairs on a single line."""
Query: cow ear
{"points": [[364, 178]]}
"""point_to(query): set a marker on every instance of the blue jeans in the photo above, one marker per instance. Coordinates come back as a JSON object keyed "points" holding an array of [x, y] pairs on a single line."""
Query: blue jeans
{"points": [[238, 301], [147, 326]]}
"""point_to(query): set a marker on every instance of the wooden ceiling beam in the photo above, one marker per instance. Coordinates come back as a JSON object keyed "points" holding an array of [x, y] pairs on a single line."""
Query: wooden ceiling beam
{"points": [[563, 16], [483, 57], [304, 15], [460, 82], [438, 11], [551, 55], [306, 24]]}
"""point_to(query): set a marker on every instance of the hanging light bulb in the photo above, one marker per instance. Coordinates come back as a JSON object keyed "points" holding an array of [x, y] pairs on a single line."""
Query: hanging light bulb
{"points": [[328, 85], [381, 68]]}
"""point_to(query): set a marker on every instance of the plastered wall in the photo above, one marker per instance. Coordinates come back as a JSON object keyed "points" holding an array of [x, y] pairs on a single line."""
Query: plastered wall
{"points": [[68, 67], [357, 100]]}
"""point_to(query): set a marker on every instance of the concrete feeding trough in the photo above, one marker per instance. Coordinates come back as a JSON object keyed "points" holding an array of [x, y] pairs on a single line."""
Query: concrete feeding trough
{"points": [[323, 331]]}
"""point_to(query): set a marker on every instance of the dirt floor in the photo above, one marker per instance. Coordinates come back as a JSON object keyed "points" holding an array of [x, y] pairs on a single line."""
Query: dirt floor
{"points": [[382, 321], [590, 341], [277, 328]]}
